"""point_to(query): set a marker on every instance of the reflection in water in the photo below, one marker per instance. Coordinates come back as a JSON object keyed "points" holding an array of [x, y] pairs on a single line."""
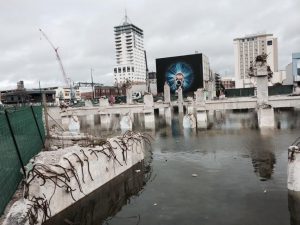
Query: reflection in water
{"points": [[214, 154], [106, 201], [294, 207], [263, 157], [263, 163]]}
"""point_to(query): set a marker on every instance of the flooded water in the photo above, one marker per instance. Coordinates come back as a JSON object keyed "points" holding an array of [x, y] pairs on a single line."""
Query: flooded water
{"points": [[232, 173]]}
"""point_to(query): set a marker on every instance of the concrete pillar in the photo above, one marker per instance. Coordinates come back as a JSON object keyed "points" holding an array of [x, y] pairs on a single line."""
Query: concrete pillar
{"points": [[148, 101], [149, 111], [189, 121], [211, 112], [126, 122], [199, 97], [219, 115], [202, 119], [161, 111], [149, 120], [97, 119], [90, 120], [180, 100], [105, 120], [262, 90], [190, 109], [168, 116], [167, 94], [266, 118]]}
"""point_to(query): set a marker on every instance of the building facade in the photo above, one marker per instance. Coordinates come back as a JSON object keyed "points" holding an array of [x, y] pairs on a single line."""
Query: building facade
{"points": [[107, 91], [228, 83], [189, 72], [246, 49], [130, 54], [296, 66]]}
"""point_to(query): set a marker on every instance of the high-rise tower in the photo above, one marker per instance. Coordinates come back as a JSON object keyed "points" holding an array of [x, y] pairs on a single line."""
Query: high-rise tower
{"points": [[246, 49], [130, 54]]}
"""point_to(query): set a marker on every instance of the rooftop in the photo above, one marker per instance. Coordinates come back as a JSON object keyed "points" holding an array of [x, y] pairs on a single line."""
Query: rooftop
{"points": [[253, 36]]}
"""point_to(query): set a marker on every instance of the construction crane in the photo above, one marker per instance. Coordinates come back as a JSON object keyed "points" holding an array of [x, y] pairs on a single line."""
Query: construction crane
{"points": [[67, 83]]}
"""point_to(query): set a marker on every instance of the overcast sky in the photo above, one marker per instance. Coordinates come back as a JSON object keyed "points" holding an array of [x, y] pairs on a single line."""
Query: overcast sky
{"points": [[83, 31]]}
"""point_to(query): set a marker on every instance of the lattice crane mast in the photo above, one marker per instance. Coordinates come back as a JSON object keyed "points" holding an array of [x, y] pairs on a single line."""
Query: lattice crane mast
{"points": [[67, 83]]}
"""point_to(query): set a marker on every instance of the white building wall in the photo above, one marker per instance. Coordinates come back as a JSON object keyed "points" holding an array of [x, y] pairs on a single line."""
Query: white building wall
{"points": [[206, 71], [245, 51], [130, 55]]}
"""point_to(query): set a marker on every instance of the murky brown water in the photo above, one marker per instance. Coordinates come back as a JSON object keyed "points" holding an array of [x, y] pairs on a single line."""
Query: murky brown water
{"points": [[232, 173]]}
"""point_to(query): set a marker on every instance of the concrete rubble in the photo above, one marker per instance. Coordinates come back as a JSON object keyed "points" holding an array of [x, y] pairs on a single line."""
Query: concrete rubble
{"points": [[56, 179]]}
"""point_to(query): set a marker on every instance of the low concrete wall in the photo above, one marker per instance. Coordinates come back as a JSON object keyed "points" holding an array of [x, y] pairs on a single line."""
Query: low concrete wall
{"points": [[57, 179]]}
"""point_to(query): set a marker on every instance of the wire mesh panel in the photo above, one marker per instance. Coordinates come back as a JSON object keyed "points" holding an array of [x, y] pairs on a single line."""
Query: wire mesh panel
{"points": [[10, 175], [28, 140], [26, 133]]}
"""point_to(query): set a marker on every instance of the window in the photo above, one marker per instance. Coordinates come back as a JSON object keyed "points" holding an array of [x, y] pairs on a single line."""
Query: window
{"points": [[115, 70], [269, 43], [124, 69], [128, 69], [119, 70]]}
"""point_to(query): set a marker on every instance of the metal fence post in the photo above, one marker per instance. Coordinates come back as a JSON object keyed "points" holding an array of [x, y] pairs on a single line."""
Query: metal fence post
{"points": [[36, 122], [15, 142]]}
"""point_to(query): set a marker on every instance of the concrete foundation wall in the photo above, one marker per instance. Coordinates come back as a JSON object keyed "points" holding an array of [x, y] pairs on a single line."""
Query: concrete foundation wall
{"points": [[75, 172]]}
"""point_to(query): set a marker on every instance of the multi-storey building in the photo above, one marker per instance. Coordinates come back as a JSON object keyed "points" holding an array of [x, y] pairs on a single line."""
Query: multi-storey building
{"points": [[228, 82], [246, 49], [296, 66], [130, 54]]}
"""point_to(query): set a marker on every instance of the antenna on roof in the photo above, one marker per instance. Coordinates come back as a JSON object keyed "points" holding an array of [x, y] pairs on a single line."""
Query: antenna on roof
{"points": [[126, 19]]}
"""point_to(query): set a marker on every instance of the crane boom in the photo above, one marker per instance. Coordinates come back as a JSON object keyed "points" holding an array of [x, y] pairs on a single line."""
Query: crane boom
{"points": [[57, 57]]}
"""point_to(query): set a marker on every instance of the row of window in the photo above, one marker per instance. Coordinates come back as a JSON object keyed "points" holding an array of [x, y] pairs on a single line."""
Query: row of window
{"points": [[124, 69]]}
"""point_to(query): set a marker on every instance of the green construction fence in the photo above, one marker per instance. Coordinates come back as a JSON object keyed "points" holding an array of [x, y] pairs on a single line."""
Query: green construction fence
{"points": [[22, 136]]}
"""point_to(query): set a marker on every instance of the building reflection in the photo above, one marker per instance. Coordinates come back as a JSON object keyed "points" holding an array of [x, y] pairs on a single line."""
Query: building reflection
{"points": [[106, 201], [263, 157]]}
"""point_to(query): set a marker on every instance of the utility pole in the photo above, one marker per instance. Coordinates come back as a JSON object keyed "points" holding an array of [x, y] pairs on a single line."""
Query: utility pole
{"points": [[147, 73], [41, 92], [93, 91], [46, 114]]}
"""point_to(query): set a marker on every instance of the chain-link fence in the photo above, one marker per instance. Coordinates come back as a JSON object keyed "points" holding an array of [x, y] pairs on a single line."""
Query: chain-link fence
{"points": [[22, 136]]}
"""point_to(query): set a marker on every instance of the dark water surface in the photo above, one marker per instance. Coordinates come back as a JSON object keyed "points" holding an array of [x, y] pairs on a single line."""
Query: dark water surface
{"points": [[231, 174]]}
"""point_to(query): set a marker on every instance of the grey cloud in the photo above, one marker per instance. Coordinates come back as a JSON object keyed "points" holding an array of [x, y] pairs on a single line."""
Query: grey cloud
{"points": [[83, 31]]}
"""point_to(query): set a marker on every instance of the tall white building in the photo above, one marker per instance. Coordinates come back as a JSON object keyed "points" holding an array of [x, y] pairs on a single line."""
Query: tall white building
{"points": [[246, 49], [130, 54]]}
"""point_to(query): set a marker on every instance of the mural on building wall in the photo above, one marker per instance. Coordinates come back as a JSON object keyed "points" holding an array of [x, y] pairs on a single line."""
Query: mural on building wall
{"points": [[180, 71], [179, 74]]}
